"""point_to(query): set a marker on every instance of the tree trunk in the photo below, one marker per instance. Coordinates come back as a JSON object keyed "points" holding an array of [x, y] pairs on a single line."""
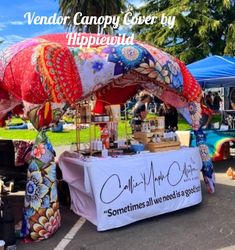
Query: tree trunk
{"points": [[94, 11]]}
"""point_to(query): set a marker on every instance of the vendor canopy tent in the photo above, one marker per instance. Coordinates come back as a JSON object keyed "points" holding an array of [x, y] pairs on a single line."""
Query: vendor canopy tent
{"points": [[214, 71], [43, 71]]}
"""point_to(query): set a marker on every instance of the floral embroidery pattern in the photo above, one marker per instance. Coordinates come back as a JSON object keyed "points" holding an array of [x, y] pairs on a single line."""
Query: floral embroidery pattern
{"points": [[207, 166], [97, 66], [195, 113], [167, 74], [47, 223], [86, 54], [127, 57], [35, 190], [41, 213], [204, 152], [39, 151]]}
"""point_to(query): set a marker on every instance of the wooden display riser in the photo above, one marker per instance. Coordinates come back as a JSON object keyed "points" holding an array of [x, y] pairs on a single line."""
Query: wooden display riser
{"points": [[163, 146], [145, 137]]}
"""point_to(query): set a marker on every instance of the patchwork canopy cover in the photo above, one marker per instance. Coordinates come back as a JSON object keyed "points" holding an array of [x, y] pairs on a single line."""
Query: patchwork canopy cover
{"points": [[45, 69], [47, 75]]}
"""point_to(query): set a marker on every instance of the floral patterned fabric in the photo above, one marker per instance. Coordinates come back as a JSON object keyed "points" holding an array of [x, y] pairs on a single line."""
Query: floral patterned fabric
{"points": [[207, 168], [41, 217], [127, 57], [92, 62], [44, 115], [195, 113]]}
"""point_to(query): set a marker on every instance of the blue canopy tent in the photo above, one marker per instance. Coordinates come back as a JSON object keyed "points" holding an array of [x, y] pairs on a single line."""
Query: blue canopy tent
{"points": [[214, 71]]}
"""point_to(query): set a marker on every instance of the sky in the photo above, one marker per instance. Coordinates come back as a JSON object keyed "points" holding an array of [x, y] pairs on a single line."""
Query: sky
{"points": [[14, 27]]}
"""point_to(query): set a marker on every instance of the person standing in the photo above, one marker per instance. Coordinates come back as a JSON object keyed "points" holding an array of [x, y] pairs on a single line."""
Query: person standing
{"points": [[216, 102], [232, 99], [171, 116], [208, 100], [140, 110]]}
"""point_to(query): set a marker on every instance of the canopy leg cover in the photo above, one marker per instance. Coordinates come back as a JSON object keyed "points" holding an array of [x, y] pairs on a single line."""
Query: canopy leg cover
{"points": [[207, 166], [41, 215]]}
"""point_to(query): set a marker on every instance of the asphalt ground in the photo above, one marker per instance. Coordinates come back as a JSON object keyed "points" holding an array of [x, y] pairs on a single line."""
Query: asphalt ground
{"points": [[209, 225]]}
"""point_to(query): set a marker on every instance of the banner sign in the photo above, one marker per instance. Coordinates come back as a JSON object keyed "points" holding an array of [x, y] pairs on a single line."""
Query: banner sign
{"points": [[133, 188]]}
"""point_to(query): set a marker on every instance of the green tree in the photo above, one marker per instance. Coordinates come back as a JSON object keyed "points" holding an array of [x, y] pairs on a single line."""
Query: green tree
{"points": [[202, 27], [89, 8]]}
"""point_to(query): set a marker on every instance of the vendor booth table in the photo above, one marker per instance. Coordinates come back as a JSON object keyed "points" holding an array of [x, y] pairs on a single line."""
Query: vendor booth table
{"points": [[113, 192]]}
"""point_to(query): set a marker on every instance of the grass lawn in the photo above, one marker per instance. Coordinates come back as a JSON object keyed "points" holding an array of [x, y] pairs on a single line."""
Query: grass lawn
{"points": [[68, 137], [57, 139], [62, 138]]}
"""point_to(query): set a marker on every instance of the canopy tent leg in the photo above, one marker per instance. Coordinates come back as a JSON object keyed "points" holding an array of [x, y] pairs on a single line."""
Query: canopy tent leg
{"points": [[41, 215], [207, 165]]}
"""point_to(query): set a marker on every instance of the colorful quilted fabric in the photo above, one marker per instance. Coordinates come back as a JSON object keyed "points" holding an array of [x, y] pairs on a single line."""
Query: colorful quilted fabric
{"points": [[42, 116], [22, 80], [207, 167], [41, 212], [9, 53], [44, 69], [127, 57], [58, 72]]}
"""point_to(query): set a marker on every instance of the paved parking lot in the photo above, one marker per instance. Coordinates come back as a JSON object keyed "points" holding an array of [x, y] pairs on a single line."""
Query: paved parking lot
{"points": [[210, 225]]}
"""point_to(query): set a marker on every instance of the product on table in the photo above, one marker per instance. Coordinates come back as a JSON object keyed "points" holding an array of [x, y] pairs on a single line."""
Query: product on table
{"points": [[105, 137]]}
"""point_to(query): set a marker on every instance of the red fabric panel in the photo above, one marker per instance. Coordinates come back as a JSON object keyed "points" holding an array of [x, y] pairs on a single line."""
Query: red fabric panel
{"points": [[191, 90], [22, 80], [113, 95], [3, 94], [26, 76], [18, 110], [60, 74]]}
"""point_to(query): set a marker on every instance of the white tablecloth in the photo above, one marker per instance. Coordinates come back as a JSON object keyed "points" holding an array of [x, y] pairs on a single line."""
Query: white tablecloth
{"points": [[113, 192]]}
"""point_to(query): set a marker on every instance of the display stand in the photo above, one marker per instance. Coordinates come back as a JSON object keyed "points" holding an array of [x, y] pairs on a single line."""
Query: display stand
{"points": [[154, 136], [85, 116], [163, 146]]}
